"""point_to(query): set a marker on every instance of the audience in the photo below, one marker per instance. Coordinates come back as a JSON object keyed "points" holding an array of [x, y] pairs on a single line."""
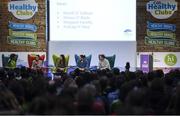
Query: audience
{"points": [[111, 92]]}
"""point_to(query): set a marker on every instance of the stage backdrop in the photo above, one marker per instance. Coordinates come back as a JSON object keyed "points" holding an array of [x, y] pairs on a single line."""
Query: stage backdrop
{"points": [[23, 27], [124, 51], [158, 31]]}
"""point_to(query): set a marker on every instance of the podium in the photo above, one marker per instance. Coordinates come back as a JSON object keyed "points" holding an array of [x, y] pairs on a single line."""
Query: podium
{"points": [[146, 63]]}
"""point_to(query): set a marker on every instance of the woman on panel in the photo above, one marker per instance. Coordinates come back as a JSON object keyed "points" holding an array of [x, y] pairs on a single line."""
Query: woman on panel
{"points": [[61, 63], [12, 61], [37, 63], [103, 62]]}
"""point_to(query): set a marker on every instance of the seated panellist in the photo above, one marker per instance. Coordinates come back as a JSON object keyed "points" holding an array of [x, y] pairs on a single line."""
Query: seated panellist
{"points": [[82, 63], [61, 63], [12, 61], [103, 62], [37, 63]]}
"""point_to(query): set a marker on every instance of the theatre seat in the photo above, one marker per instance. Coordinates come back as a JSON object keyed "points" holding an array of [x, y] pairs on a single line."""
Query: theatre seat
{"points": [[5, 60], [56, 58], [87, 57], [111, 60], [32, 57]]}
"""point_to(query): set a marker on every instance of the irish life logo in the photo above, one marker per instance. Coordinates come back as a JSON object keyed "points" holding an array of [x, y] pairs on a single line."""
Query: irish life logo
{"points": [[170, 59], [23, 9], [162, 9]]}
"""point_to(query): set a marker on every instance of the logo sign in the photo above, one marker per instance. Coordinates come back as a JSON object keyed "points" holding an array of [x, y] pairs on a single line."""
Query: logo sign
{"points": [[22, 34], [22, 41], [170, 59], [23, 9], [161, 34], [161, 26], [22, 27], [162, 9], [160, 42]]}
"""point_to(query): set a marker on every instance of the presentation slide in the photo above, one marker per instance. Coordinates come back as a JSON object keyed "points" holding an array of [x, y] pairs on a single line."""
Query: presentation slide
{"points": [[92, 20]]}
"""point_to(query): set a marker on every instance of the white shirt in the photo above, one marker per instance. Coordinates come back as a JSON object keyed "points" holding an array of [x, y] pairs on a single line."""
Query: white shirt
{"points": [[104, 64]]}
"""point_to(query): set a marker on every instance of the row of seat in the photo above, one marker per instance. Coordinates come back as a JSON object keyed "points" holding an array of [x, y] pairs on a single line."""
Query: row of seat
{"points": [[56, 58]]}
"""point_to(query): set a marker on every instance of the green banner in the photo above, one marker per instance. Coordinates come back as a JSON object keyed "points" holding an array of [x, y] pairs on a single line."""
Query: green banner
{"points": [[160, 41], [161, 34], [24, 34], [22, 41]]}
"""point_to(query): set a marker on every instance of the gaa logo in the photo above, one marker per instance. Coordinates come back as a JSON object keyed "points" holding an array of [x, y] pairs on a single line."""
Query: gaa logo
{"points": [[23, 9], [170, 59]]}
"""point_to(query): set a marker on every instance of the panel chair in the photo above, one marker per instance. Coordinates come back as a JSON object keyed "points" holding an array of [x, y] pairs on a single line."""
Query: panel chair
{"points": [[32, 57], [111, 60], [87, 57], [5, 60]]}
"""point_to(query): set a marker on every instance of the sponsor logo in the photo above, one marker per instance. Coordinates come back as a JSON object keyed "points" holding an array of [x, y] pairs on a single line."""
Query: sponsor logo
{"points": [[23, 9], [170, 59], [162, 9]]}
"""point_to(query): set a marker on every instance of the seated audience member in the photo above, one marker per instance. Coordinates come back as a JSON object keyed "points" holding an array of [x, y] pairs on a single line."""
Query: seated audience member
{"points": [[82, 64], [103, 62], [61, 63], [12, 61], [37, 63]]}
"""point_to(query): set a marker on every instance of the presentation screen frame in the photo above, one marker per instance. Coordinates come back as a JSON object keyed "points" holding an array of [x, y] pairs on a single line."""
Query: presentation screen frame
{"points": [[127, 33]]}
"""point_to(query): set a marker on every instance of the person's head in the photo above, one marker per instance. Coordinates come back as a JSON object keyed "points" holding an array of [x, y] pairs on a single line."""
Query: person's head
{"points": [[116, 71], [82, 57], [62, 57], [37, 57], [85, 98], [101, 57], [13, 56]]}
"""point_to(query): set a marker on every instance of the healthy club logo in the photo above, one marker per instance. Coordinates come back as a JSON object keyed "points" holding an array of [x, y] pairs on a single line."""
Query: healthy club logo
{"points": [[23, 9], [162, 9], [170, 59]]}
